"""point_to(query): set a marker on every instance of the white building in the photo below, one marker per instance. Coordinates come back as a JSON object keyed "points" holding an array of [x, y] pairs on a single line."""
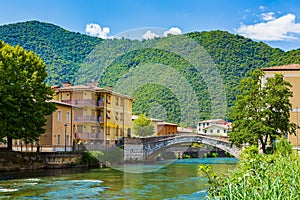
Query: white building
{"points": [[217, 127]]}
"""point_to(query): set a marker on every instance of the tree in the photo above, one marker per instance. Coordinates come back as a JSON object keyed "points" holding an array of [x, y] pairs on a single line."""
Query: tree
{"points": [[142, 126], [261, 112], [24, 97]]}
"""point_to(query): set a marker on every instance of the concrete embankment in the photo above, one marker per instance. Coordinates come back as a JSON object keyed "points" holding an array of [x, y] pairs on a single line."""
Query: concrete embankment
{"points": [[10, 160]]}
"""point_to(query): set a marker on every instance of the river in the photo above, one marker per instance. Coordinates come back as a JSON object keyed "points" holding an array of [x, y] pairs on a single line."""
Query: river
{"points": [[177, 180]]}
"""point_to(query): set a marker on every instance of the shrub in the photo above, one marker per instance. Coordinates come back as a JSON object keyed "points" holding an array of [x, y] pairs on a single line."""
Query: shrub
{"points": [[259, 176]]}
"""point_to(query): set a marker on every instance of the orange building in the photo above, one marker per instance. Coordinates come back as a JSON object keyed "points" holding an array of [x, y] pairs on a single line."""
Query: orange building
{"points": [[291, 74], [165, 128], [59, 129], [58, 135]]}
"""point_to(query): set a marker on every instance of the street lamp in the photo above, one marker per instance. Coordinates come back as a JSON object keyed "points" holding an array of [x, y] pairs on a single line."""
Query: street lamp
{"points": [[66, 125]]}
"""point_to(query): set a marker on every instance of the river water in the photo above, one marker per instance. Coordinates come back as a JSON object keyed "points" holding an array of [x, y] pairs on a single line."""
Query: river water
{"points": [[177, 180]]}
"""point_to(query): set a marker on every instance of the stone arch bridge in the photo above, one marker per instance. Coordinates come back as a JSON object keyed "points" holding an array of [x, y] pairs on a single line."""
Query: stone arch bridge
{"points": [[143, 149]]}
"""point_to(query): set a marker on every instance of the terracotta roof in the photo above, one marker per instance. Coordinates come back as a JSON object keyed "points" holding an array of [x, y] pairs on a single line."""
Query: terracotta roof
{"points": [[283, 67], [93, 89], [61, 103], [213, 121], [166, 123], [182, 129], [218, 125]]}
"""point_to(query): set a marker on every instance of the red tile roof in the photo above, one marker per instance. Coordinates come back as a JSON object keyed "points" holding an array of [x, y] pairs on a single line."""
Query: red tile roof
{"points": [[283, 68]]}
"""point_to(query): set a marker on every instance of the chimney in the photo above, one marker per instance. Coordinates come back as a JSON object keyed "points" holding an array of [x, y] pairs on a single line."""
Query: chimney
{"points": [[110, 88], [66, 84], [92, 84]]}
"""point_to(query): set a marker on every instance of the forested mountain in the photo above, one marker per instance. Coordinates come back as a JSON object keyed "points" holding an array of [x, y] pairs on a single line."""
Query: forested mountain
{"points": [[61, 50], [178, 78]]}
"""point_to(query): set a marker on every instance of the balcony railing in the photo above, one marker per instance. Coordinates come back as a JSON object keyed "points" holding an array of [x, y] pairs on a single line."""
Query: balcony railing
{"points": [[100, 119], [89, 119], [89, 136], [100, 104], [86, 102], [85, 119]]}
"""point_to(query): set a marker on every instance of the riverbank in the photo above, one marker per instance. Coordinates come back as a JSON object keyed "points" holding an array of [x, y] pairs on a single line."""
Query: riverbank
{"points": [[15, 161]]}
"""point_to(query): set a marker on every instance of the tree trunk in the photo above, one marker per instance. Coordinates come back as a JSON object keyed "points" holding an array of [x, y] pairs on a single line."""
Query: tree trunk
{"points": [[263, 146], [9, 143]]}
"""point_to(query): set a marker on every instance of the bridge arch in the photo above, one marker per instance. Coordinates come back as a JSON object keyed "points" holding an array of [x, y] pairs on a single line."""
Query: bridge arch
{"points": [[148, 148]]}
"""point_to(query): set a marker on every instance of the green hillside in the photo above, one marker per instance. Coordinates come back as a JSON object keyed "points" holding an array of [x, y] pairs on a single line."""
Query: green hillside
{"points": [[61, 50], [178, 78]]}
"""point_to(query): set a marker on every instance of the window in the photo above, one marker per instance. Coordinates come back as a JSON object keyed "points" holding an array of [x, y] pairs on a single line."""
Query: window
{"points": [[59, 117], [117, 101], [108, 131], [108, 99], [121, 116], [68, 139], [218, 131], [211, 131], [117, 116], [108, 114], [58, 140], [68, 117]]}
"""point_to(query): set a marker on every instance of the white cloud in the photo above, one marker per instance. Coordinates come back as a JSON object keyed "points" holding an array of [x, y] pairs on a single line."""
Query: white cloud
{"points": [[268, 16], [282, 28], [149, 35], [262, 7], [96, 30], [173, 31]]}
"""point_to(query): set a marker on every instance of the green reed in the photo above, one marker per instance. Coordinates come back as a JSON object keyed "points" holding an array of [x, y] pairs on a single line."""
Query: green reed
{"points": [[259, 176]]}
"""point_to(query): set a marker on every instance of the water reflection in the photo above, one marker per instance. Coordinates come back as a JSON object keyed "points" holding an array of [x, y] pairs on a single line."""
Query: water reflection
{"points": [[180, 180]]}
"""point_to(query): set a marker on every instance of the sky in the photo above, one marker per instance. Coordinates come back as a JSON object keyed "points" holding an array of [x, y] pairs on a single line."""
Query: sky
{"points": [[276, 22]]}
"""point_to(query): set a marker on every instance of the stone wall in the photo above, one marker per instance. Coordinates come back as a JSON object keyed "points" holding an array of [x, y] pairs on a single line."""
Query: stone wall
{"points": [[37, 160]]}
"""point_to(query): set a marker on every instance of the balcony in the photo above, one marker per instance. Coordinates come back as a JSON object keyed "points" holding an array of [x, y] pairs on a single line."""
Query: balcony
{"points": [[89, 136], [100, 103], [100, 119], [85, 119], [89, 119], [85, 102]]}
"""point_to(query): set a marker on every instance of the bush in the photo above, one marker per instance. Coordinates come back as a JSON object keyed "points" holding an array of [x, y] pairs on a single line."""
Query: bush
{"points": [[259, 176], [91, 158]]}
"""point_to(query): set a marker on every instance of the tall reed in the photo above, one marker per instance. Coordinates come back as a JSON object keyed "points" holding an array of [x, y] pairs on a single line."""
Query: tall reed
{"points": [[259, 176]]}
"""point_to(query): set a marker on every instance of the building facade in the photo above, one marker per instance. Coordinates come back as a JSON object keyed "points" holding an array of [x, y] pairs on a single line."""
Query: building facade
{"points": [[161, 128], [102, 117], [291, 74], [59, 129], [58, 134], [165, 129], [217, 127]]}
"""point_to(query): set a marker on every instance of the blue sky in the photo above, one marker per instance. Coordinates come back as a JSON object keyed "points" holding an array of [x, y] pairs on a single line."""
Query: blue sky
{"points": [[276, 23]]}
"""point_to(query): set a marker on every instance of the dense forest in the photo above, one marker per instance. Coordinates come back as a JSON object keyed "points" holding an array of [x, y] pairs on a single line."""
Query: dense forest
{"points": [[177, 78]]}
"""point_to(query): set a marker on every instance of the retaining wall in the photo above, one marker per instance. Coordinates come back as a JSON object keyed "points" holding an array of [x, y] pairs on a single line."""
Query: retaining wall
{"points": [[10, 160]]}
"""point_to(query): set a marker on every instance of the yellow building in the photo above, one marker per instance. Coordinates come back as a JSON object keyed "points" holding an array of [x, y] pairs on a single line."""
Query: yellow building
{"points": [[101, 117], [291, 74]]}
